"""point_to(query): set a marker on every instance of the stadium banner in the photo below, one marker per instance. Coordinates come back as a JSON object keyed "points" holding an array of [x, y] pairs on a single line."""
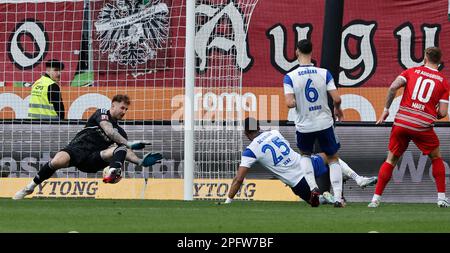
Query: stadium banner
{"points": [[38, 30], [61, 187], [204, 189], [363, 148], [158, 189], [126, 57], [264, 103], [376, 47]]}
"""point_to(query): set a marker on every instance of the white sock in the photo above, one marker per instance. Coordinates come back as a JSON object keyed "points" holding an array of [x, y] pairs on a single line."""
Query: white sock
{"points": [[336, 180], [306, 165], [376, 198], [441, 195], [31, 185], [346, 170]]}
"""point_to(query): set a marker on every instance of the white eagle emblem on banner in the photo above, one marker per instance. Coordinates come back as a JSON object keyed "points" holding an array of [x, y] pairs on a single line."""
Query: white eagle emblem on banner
{"points": [[130, 32]]}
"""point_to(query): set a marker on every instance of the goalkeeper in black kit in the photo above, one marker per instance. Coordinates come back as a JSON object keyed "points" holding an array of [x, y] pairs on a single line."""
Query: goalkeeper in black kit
{"points": [[101, 143]]}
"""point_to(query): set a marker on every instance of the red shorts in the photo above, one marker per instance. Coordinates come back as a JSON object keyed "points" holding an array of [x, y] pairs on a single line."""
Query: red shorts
{"points": [[426, 141]]}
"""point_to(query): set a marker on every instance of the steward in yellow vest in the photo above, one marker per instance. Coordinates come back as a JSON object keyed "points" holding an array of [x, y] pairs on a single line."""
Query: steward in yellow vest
{"points": [[46, 101]]}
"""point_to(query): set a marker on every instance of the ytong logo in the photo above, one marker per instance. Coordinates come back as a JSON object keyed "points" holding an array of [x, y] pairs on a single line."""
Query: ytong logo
{"points": [[86, 189], [219, 190]]}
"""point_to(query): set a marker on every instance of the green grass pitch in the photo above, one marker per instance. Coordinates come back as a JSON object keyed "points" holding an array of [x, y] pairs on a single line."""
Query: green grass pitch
{"points": [[103, 216]]}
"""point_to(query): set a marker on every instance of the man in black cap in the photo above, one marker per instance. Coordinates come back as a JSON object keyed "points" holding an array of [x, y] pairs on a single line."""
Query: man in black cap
{"points": [[46, 101]]}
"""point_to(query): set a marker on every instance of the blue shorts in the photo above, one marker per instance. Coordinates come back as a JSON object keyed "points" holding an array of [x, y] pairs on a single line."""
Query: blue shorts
{"points": [[328, 141], [319, 166]]}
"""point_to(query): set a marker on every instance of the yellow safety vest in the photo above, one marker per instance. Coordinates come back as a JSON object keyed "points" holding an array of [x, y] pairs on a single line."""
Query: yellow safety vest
{"points": [[40, 107]]}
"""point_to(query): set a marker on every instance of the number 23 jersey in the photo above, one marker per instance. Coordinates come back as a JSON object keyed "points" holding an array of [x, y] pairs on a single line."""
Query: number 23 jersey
{"points": [[273, 152], [425, 89]]}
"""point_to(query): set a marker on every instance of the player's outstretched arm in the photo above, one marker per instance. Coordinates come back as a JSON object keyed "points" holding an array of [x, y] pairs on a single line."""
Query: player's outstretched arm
{"points": [[137, 144], [113, 135], [148, 160], [132, 157], [119, 139], [236, 184], [395, 86]]}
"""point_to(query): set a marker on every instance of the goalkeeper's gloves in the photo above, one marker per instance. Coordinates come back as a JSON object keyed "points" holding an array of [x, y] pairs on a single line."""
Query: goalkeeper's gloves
{"points": [[150, 159], [137, 144]]}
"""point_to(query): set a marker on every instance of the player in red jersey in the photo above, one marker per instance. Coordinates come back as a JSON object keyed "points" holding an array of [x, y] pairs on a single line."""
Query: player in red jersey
{"points": [[425, 99]]}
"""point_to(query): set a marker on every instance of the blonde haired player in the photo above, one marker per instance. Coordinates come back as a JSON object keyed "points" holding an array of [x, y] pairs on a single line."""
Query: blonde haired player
{"points": [[424, 100], [101, 143]]}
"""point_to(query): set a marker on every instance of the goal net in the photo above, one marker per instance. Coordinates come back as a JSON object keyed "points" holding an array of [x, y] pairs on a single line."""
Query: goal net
{"points": [[133, 47], [221, 35]]}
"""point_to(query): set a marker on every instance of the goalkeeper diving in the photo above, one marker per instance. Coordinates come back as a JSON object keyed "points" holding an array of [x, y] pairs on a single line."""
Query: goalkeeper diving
{"points": [[273, 151], [101, 143]]}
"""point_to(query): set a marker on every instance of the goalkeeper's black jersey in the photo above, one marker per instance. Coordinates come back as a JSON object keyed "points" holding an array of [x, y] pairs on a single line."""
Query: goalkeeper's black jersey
{"points": [[92, 136]]}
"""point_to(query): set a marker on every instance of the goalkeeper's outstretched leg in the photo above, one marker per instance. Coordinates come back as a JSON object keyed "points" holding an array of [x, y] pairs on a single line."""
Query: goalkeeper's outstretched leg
{"points": [[100, 143], [61, 160]]}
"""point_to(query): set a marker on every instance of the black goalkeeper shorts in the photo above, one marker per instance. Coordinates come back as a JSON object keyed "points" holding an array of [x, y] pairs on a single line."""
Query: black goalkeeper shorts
{"points": [[84, 159]]}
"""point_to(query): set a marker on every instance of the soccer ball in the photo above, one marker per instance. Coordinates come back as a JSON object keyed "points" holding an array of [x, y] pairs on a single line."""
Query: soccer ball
{"points": [[111, 175]]}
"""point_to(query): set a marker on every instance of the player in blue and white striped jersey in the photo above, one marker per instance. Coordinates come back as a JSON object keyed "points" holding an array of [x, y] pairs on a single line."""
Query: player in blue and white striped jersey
{"points": [[306, 89], [273, 152]]}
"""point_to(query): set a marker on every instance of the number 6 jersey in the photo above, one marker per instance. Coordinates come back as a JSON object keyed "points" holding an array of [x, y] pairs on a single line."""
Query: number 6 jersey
{"points": [[273, 152], [425, 89], [310, 85]]}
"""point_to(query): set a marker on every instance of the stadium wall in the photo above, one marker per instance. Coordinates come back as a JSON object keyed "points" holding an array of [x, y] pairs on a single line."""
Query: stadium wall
{"points": [[379, 41], [363, 148], [163, 189]]}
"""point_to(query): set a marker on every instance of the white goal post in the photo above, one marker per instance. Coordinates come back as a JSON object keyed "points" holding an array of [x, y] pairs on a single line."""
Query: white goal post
{"points": [[224, 126]]}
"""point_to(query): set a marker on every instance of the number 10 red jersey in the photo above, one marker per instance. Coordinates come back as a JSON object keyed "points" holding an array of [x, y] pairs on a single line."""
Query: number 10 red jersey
{"points": [[425, 89]]}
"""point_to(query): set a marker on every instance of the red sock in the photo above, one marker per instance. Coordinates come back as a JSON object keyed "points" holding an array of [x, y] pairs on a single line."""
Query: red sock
{"points": [[439, 174], [384, 175]]}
